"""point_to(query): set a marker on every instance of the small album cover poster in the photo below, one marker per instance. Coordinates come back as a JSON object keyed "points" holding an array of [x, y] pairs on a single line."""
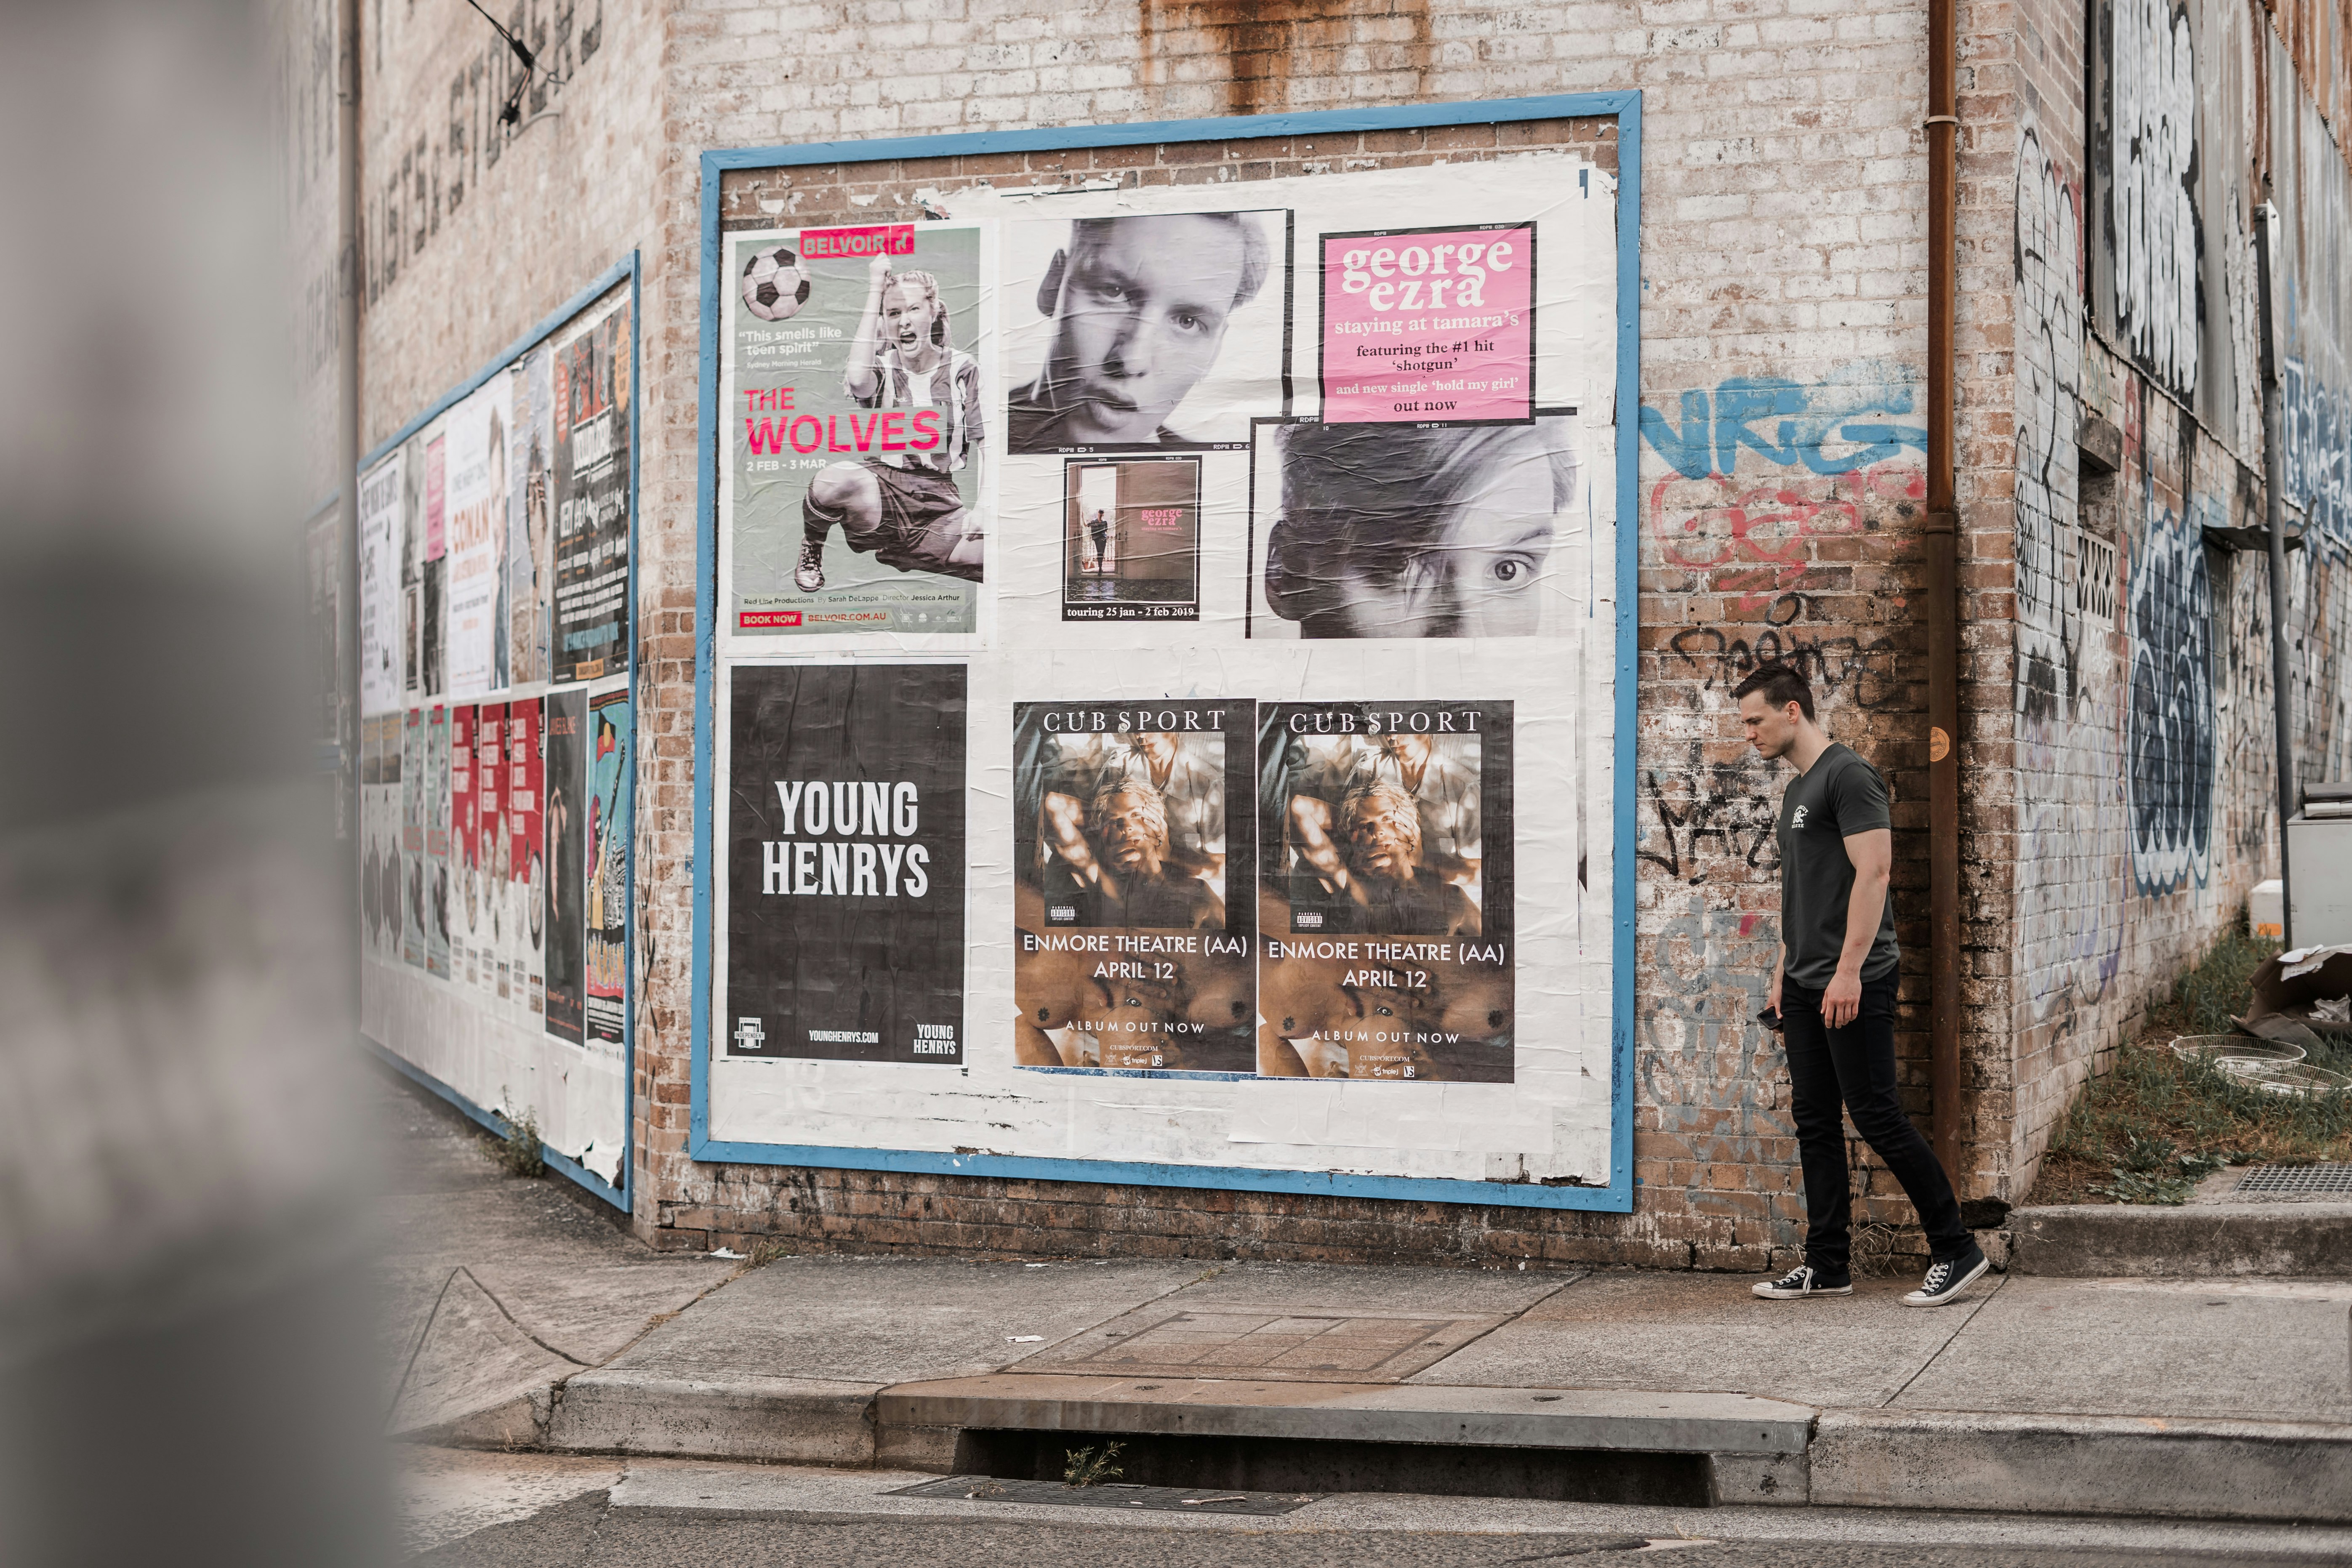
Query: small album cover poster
{"points": [[526, 855], [611, 773], [566, 761], [485, 895], [860, 406], [845, 863], [1384, 834], [1429, 325], [464, 850], [1145, 332], [1133, 905], [1131, 539], [415, 792], [1413, 531], [437, 841]]}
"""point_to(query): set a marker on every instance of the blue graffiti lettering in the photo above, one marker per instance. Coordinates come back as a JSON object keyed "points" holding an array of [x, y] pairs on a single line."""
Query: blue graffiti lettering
{"points": [[1831, 427]]}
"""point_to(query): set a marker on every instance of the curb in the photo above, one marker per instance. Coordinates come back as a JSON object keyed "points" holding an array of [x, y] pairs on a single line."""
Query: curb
{"points": [[2091, 1241], [2292, 1472], [801, 1421]]}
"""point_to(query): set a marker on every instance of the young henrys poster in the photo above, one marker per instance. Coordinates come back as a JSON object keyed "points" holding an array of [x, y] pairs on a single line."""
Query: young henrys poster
{"points": [[857, 427], [845, 863], [477, 441], [606, 916]]}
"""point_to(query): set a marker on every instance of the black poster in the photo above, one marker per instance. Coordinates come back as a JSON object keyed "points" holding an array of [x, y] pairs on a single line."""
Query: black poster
{"points": [[567, 859], [1134, 888], [845, 863], [1384, 848]]}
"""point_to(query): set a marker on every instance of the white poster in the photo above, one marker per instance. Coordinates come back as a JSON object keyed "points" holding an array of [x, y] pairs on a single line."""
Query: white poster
{"points": [[380, 648], [478, 498], [1233, 899]]}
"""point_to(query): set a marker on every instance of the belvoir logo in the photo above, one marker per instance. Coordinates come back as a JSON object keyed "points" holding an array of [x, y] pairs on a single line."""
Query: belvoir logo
{"points": [[748, 1034]]}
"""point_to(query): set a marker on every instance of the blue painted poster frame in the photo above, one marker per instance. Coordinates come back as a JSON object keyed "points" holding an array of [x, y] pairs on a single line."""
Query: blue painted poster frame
{"points": [[1617, 1197], [629, 270]]}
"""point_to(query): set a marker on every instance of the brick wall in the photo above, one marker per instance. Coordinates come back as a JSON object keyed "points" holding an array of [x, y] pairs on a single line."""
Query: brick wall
{"points": [[1783, 232]]}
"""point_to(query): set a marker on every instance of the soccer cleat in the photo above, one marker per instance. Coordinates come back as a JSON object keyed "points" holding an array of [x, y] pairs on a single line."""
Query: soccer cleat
{"points": [[1946, 1281], [1802, 1281], [810, 573]]}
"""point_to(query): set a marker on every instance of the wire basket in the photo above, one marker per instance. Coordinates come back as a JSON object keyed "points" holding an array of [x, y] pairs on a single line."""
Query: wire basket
{"points": [[2245, 1051], [2294, 1081]]}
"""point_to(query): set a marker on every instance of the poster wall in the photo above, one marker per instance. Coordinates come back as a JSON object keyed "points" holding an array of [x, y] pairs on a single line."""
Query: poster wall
{"points": [[1035, 512], [496, 537]]}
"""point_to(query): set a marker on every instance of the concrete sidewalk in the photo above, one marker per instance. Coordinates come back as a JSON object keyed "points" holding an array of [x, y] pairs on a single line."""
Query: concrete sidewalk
{"points": [[2216, 1398]]}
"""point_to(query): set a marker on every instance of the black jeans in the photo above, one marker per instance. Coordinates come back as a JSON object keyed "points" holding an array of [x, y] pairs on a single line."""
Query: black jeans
{"points": [[1855, 1065]]}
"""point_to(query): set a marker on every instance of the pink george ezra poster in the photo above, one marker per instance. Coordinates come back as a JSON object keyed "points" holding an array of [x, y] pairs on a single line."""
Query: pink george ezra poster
{"points": [[1428, 325]]}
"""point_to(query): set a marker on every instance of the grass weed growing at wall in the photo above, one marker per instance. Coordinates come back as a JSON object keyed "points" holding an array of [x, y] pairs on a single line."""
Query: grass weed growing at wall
{"points": [[2150, 1126]]}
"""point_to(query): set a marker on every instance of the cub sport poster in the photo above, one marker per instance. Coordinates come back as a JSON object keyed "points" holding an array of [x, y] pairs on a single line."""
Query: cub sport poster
{"points": [[1386, 838], [857, 415], [845, 863], [1133, 892]]}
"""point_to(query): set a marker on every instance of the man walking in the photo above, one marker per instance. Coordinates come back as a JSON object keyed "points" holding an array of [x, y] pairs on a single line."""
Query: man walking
{"points": [[1833, 996]]}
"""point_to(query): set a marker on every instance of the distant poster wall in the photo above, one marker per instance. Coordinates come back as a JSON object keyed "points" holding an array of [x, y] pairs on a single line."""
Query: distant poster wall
{"points": [[1290, 506], [499, 757]]}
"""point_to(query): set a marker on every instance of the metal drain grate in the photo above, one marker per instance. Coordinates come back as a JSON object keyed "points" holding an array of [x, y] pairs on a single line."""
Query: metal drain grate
{"points": [[2296, 1179], [1166, 1499]]}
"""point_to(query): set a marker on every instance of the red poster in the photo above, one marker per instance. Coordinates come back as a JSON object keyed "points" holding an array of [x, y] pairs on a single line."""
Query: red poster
{"points": [[525, 784]]}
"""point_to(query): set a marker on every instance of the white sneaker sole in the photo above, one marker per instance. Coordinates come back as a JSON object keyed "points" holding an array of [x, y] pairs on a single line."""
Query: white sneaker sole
{"points": [[1916, 1298], [802, 581], [1767, 1293]]}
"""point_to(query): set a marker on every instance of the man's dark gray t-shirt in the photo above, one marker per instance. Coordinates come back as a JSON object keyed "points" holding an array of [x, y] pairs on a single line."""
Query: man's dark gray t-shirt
{"points": [[1838, 796]]}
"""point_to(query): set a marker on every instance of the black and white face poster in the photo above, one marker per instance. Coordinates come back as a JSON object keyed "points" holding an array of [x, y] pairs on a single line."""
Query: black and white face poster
{"points": [[567, 861], [1133, 904], [845, 855], [1385, 831]]}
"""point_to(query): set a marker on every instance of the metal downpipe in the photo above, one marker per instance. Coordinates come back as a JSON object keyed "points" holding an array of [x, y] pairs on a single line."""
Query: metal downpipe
{"points": [[1943, 606]]}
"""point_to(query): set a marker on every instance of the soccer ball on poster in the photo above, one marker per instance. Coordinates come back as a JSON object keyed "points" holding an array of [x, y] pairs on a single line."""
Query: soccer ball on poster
{"points": [[775, 284]]}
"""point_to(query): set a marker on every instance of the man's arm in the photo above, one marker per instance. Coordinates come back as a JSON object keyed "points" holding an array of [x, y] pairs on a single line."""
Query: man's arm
{"points": [[1873, 855], [861, 381]]}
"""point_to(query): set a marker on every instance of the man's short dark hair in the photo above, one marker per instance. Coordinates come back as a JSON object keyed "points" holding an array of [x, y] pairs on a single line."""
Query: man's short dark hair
{"points": [[1781, 685]]}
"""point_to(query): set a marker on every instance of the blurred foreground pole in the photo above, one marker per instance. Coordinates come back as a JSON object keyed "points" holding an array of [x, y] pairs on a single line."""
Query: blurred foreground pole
{"points": [[182, 1342]]}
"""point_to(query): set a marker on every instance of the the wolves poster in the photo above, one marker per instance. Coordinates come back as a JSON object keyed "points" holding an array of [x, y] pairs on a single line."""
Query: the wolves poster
{"points": [[1386, 915], [437, 841], [1133, 887], [1144, 332], [845, 863], [477, 494], [531, 520], [1131, 539], [415, 796], [610, 774], [525, 856], [856, 419], [591, 500], [566, 765], [380, 654], [381, 876]]}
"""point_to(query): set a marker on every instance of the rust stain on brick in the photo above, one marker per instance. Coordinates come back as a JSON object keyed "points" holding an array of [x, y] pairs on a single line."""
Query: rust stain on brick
{"points": [[1265, 44]]}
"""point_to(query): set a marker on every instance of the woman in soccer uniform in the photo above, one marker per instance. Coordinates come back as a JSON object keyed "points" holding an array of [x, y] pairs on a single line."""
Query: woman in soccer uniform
{"points": [[903, 507]]}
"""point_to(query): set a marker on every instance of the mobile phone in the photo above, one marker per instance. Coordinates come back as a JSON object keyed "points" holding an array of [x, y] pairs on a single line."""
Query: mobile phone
{"points": [[1771, 1019]]}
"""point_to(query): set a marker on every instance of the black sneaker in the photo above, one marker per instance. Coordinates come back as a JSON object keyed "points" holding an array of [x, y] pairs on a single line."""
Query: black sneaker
{"points": [[1946, 1281], [1802, 1281]]}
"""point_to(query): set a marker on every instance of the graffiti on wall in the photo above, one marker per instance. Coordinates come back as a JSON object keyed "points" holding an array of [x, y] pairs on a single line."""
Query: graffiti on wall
{"points": [[1859, 416], [2316, 451], [2170, 724], [2151, 228], [2049, 361]]}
